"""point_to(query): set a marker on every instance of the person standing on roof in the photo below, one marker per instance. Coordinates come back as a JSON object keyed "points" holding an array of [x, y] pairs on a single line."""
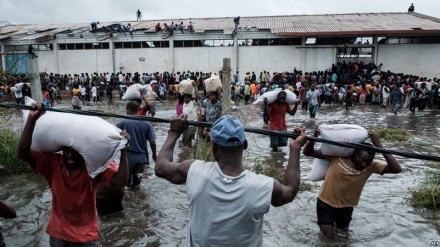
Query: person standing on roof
{"points": [[94, 26], [138, 15]]}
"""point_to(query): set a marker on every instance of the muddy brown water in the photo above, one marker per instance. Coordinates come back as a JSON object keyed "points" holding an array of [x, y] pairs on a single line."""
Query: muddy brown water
{"points": [[157, 214]]}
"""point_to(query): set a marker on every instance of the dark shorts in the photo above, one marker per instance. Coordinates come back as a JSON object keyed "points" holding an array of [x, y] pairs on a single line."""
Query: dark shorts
{"points": [[328, 215], [55, 242], [135, 171], [278, 141]]}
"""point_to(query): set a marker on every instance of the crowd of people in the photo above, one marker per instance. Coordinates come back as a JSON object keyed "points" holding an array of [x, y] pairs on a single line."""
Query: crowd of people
{"points": [[173, 27], [346, 83], [226, 202]]}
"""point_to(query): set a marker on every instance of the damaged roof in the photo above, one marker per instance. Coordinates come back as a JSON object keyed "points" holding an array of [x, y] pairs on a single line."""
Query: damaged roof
{"points": [[291, 25]]}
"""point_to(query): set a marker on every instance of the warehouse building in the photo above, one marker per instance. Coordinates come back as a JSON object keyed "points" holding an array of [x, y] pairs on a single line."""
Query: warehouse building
{"points": [[403, 42]]}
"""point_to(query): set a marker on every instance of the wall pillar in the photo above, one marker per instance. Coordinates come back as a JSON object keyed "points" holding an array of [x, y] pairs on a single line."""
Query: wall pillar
{"points": [[375, 50], [3, 56], [35, 80], [171, 62], [303, 54], [55, 57]]}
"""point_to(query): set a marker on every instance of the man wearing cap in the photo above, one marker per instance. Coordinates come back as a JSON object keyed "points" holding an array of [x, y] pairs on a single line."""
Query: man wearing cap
{"points": [[227, 202]]}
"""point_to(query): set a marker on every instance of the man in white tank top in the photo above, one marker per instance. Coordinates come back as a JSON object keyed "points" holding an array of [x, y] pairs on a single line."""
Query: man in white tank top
{"points": [[227, 202]]}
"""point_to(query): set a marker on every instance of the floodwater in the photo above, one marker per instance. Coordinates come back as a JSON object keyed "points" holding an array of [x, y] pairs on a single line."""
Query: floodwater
{"points": [[157, 214]]}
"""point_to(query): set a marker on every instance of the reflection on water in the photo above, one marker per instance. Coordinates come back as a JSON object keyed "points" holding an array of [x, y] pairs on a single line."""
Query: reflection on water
{"points": [[157, 214]]}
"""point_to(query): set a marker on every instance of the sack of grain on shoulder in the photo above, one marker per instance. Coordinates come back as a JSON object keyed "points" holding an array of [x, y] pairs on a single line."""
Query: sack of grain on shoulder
{"points": [[338, 133]]}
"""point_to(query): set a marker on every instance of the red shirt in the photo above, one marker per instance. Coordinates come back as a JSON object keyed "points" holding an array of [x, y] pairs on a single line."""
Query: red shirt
{"points": [[73, 217], [142, 112], [278, 115]]}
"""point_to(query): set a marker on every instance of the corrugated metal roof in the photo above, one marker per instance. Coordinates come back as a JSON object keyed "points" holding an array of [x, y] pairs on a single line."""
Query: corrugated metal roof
{"points": [[295, 25]]}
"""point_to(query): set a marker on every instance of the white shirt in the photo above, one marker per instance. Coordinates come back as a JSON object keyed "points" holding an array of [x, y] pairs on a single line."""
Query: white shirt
{"points": [[82, 90], [190, 110], [225, 210], [94, 91], [121, 78], [384, 93]]}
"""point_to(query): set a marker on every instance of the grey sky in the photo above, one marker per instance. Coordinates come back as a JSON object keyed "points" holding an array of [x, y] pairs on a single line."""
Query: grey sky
{"points": [[86, 11]]}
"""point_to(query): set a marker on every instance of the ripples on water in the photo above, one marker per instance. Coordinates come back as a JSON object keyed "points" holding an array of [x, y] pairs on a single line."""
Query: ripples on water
{"points": [[157, 214]]}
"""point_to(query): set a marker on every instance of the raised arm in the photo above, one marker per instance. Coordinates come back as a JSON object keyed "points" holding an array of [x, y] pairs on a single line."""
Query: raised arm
{"points": [[266, 108], [286, 191], [24, 151], [196, 91], [309, 149], [293, 111], [392, 165], [148, 103], [166, 168]]}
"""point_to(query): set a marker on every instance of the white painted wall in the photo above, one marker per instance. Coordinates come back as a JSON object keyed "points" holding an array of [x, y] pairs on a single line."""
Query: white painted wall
{"points": [[79, 61], [46, 61], [205, 59], [267, 58], [156, 60], [319, 59], [421, 60]]}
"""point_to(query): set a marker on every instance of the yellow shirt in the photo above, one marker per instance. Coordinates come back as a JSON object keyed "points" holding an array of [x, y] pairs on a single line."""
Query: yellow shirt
{"points": [[355, 89], [76, 91], [368, 87], [343, 183]]}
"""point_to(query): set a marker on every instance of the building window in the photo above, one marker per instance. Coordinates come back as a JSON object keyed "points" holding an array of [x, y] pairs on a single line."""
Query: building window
{"points": [[88, 46], [203, 43], [409, 40], [137, 45], [164, 43], [70, 46], [79, 46], [310, 41], [144, 44], [178, 43], [97, 46], [147, 44]]}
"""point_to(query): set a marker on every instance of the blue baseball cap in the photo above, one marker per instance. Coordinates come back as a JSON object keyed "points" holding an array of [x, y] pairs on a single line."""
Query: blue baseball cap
{"points": [[227, 131]]}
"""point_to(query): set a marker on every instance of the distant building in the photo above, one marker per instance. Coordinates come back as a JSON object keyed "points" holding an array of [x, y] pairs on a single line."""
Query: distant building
{"points": [[403, 42]]}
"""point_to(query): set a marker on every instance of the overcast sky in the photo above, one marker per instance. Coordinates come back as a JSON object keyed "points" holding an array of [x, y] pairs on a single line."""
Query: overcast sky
{"points": [[86, 11]]}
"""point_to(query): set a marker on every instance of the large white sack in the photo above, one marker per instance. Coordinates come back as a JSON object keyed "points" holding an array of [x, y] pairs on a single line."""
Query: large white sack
{"points": [[186, 87], [272, 96], [20, 85], [95, 139], [134, 93], [319, 169], [341, 133], [212, 83]]}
